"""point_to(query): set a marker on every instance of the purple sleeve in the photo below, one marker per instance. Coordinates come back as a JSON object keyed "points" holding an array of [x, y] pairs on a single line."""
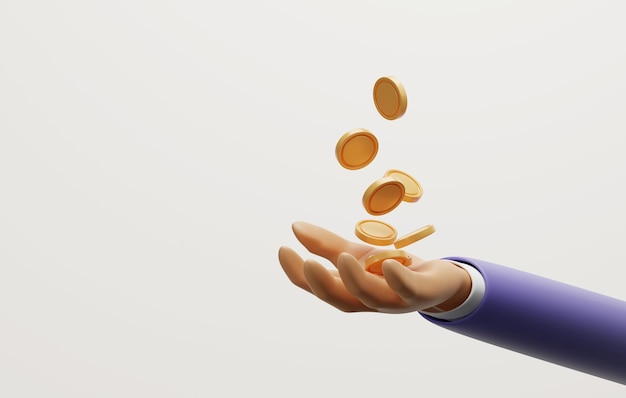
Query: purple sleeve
{"points": [[548, 320]]}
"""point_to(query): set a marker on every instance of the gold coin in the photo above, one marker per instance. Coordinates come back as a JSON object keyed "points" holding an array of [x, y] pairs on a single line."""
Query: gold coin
{"points": [[390, 97], [374, 263], [412, 189], [383, 195], [356, 149], [375, 232], [414, 236]]}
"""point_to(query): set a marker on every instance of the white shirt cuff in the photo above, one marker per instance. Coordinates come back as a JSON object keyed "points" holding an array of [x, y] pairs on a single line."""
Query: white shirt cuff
{"points": [[471, 302]]}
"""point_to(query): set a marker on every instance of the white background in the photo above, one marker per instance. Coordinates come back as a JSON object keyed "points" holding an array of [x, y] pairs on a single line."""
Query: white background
{"points": [[153, 155]]}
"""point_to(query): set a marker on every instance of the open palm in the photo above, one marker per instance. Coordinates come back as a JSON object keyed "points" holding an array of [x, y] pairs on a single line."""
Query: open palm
{"points": [[435, 285]]}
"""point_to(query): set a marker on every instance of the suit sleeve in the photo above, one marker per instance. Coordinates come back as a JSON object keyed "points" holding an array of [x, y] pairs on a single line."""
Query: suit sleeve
{"points": [[549, 320]]}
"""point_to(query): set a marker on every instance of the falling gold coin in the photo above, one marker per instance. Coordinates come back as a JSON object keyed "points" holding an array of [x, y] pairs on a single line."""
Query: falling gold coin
{"points": [[412, 189], [383, 195], [390, 97], [414, 236], [374, 263], [375, 232], [356, 149]]}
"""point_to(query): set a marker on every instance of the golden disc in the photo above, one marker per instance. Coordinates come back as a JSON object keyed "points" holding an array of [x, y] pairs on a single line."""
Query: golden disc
{"points": [[390, 97], [356, 149], [414, 236], [374, 263], [412, 189], [383, 195], [375, 232]]}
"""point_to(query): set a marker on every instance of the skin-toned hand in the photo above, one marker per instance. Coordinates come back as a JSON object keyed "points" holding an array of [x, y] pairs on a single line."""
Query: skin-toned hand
{"points": [[434, 286]]}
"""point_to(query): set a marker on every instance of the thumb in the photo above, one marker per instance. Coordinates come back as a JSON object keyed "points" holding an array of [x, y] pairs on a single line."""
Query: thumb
{"points": [[434, 284]]}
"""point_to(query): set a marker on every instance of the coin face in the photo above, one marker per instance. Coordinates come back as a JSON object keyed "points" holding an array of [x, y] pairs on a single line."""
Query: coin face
{"points": [[383, 195], [375, 232], [414, 236], [356, 149], [374, 263], [412, 189], [390, 97]]}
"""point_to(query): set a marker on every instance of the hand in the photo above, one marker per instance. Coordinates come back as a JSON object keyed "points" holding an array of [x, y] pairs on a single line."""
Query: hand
{"points": [[434, 286]]}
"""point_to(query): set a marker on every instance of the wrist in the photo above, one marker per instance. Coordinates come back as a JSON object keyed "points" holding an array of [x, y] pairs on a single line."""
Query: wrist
{"points": [[462, 292], [472, 301]]}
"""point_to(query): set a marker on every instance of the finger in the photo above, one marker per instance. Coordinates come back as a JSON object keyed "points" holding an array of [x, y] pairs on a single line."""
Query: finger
{"points": [[412, 286], [327, 244], [370, 289], [293, 265], [330, 289], [434, 283]]}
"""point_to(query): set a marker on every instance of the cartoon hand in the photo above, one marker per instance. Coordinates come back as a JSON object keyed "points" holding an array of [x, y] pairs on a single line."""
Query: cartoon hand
{"points": [[435, 285]]}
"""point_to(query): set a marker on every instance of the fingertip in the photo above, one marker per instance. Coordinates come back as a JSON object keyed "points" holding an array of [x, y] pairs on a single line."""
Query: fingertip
{"points": [[297, 225], [393, 266], [346, 260], [318, 278], [313, 269], [343, 257], [393, 273], [352, 273], [399, 278], [300, 227], [309, 235], [309, 266], [287, 255], [282, 251], [292, 265]]}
